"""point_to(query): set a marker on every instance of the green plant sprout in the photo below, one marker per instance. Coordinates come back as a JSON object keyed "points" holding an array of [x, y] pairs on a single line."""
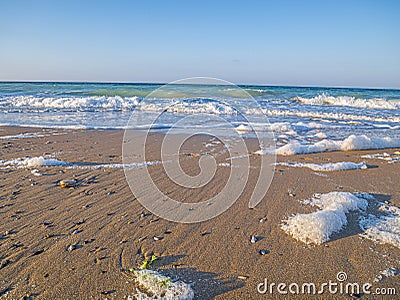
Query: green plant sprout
{"points": [[147, 263]]}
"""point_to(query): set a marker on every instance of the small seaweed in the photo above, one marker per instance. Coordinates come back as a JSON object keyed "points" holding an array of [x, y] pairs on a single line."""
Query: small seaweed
{"points": [[158, 285], [148, 263]]}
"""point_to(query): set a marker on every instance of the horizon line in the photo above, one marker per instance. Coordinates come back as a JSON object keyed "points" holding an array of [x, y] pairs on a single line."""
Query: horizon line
{"points": [[172, 82]]}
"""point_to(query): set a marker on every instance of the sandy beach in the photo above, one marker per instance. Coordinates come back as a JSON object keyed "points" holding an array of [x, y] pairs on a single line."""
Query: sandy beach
{"points": [[111, 232], [199, 150]]}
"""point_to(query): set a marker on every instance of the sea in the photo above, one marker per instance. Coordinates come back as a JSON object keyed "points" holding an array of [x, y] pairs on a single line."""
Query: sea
{"points": [[301, 117]]}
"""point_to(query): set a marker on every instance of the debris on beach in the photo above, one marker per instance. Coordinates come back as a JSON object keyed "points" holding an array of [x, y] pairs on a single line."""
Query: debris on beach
{"points": [[38, 252], [148, 262], [97, 260], [291, 193], [71, 248], [80, 222], [67, 183], [193, 154], [205, 233], [157, 238], [263, 220], [48, 236], [88, 241], [36, 172], [264, 252], [243, 277], [355, 295], [253, 239]]}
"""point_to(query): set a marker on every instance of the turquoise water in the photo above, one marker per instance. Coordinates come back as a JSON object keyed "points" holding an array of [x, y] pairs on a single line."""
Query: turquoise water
{"points": [[299, 113]]}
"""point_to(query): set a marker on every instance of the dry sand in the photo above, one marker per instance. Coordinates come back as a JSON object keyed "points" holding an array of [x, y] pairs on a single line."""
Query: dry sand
{"points": [[116, 233]]}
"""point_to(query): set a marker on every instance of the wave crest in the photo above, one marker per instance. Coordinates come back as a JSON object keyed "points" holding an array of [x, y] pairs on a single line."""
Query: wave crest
{"points": [[324, 99]]}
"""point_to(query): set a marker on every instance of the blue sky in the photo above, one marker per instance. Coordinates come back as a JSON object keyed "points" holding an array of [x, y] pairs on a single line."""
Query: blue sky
{"points": [[328, 43]]}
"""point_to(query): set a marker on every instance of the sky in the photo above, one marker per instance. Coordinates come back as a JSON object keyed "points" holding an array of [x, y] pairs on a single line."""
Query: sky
{"points": [[316, 43]]}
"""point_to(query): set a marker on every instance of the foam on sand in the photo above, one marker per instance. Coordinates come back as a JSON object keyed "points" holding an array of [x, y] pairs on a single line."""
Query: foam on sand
{"points": [[32, 162], [387, 273], [116, 166], [353, 142], [317, 227], [339, 166], [384, 229], [22, 136], [161, 287], [384, 156]]}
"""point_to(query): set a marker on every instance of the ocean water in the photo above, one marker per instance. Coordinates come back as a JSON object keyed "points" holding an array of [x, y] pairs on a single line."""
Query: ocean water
{"points": [[297, 115]]}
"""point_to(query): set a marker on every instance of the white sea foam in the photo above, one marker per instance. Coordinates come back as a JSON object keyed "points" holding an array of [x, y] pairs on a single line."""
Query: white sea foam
{"points": [[386, 126], [328, 167], [116, 166], [384, 156], [95, 102], [387, 273], [161, 287], [22, 136], [335, 116], [353, 142], [33, 162], [36, 172], [383, 229], [321, 135], [189, 106], [317, 227], [324, 99], [185, 106], [283, 127]]}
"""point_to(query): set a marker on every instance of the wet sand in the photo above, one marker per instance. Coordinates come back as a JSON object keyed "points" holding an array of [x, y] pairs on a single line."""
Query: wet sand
{"points": [[115, 233]]}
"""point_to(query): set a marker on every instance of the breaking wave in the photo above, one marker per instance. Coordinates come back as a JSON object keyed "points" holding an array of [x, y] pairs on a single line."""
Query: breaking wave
{"points": [[325, 99]]}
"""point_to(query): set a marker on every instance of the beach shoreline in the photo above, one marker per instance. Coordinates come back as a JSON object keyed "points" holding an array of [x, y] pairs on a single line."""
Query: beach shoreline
{"points": [[112, 231]]}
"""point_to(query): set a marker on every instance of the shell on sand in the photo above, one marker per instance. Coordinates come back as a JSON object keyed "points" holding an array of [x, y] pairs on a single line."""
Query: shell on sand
{"points": [[67, 183], [253, 239]]}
